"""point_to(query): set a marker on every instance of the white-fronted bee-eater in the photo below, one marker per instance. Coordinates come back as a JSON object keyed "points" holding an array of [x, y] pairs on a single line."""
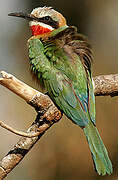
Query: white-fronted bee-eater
{"points": [[61, 58]]}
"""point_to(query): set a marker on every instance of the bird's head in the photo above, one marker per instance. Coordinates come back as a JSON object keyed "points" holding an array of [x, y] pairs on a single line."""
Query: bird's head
{"points": [[42, 20]]}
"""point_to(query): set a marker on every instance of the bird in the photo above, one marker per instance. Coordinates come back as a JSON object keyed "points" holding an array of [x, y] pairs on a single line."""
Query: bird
{"points": [[61, 58]]}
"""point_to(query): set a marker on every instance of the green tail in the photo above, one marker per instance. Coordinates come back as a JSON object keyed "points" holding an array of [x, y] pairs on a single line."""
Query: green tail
{"points": [[100, 156]]}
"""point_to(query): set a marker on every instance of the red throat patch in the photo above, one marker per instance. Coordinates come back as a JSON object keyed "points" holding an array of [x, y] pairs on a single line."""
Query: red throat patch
{"points": [[38, 30]]}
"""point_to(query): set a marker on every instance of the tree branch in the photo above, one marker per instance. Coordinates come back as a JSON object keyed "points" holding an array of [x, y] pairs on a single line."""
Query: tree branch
{"points": [[106, 85], [48, 114]]}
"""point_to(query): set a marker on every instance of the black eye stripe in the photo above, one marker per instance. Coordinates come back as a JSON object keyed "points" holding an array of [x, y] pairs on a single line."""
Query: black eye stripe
{"points": [[48, 20]]}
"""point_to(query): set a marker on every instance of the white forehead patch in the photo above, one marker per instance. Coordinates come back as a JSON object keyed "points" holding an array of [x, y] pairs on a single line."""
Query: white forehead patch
{"points": [[42, 11]]}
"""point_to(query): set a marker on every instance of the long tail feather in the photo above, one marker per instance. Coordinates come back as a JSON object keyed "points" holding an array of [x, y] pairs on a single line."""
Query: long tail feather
{"points": [[100, 156]]}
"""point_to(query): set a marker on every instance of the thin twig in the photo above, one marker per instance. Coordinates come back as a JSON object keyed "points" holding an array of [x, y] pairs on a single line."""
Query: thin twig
{"points": [[17, 153], [24, 134]]}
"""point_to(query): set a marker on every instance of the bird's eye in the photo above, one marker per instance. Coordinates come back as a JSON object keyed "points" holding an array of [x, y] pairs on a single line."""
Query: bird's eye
{"points": [[47, 18]]}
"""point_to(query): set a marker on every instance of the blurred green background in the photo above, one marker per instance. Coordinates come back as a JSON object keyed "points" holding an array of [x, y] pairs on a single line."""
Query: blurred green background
{"points": [[62, 153]]}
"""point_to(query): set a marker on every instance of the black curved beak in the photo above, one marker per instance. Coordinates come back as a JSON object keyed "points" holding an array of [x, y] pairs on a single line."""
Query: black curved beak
{"points": [[27, 16], [31, 17]]}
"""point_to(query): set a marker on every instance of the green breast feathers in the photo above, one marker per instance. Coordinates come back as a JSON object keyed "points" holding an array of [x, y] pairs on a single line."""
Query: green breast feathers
{"points": [[63, 62]]}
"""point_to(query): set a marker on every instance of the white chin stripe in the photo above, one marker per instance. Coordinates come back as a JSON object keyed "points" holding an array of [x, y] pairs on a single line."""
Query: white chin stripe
{"points": [[31, 23]]}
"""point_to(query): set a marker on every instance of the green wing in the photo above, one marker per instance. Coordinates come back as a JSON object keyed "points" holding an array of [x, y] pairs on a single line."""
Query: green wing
{"points": [[68, 82]]}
